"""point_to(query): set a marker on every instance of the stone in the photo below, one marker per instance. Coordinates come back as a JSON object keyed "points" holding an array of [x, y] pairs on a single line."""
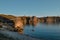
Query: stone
{"points": [[18, 23]]}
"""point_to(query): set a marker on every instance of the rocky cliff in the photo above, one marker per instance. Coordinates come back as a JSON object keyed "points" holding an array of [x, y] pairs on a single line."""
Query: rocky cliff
{"points": [[20, 21]]}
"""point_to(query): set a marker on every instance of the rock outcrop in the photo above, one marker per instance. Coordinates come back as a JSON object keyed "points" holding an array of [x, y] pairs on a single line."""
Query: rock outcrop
{"points": [[18, 24], [50, 20], [20, 21], [33, 20]]}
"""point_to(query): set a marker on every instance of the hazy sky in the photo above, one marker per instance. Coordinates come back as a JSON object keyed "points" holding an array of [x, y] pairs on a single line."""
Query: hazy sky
{"points": [[30, 7]]}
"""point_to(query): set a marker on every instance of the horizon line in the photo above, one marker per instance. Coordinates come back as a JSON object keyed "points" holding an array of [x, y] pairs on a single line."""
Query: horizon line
{"points": [[30, 15]]}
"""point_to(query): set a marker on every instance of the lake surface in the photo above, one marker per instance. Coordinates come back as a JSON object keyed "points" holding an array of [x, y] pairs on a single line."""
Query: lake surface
{"points": [[40, 31], [43, 31]]}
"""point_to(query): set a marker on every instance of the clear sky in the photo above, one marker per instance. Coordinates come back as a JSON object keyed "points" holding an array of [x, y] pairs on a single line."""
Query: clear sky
{"points": [[30, 7]]}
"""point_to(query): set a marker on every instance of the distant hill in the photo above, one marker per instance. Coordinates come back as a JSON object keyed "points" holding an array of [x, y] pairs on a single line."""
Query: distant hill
{"points": [[8, 16]]}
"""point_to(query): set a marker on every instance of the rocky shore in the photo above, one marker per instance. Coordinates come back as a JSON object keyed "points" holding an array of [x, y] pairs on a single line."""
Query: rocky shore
{"points": [[9, 35], [14, 23], [18, 22], [2, 37]]}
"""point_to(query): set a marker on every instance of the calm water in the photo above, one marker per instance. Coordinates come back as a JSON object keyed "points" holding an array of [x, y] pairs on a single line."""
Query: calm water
{"points": [[40, 31], [43, 31]]}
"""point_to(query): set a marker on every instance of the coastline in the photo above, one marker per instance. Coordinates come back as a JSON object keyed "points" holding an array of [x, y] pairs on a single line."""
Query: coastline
{"points": [[16, 36]]}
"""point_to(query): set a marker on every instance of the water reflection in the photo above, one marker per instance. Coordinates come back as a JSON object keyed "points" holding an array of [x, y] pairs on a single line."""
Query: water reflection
{"points": [[43, 31], [21, 29]]}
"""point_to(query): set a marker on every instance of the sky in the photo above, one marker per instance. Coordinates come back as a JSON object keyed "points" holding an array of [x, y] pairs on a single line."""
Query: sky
{"points": [[30, 7]]}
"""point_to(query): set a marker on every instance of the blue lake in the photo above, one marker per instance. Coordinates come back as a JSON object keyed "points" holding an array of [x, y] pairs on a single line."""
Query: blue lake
{"points": [[43, 31], [40, 31]]}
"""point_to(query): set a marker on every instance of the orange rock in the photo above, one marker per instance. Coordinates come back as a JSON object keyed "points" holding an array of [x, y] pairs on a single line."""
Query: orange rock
{"points": [[18, 23], [49, 20]]}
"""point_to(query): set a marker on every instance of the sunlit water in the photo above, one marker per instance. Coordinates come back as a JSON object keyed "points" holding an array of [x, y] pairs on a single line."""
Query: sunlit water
{"points": [[40, 31], [44, 31]]}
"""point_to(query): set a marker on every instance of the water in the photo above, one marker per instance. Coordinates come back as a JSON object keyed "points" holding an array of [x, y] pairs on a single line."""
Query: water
{"points": [[44, 31], [40, 31]]}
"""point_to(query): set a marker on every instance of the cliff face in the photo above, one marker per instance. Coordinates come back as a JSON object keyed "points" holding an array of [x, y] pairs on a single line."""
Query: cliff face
{"points": [[50, 19], [8, 16], [24, 20], [33, 20], [5, 20], [10, 19], [20, 21]]}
